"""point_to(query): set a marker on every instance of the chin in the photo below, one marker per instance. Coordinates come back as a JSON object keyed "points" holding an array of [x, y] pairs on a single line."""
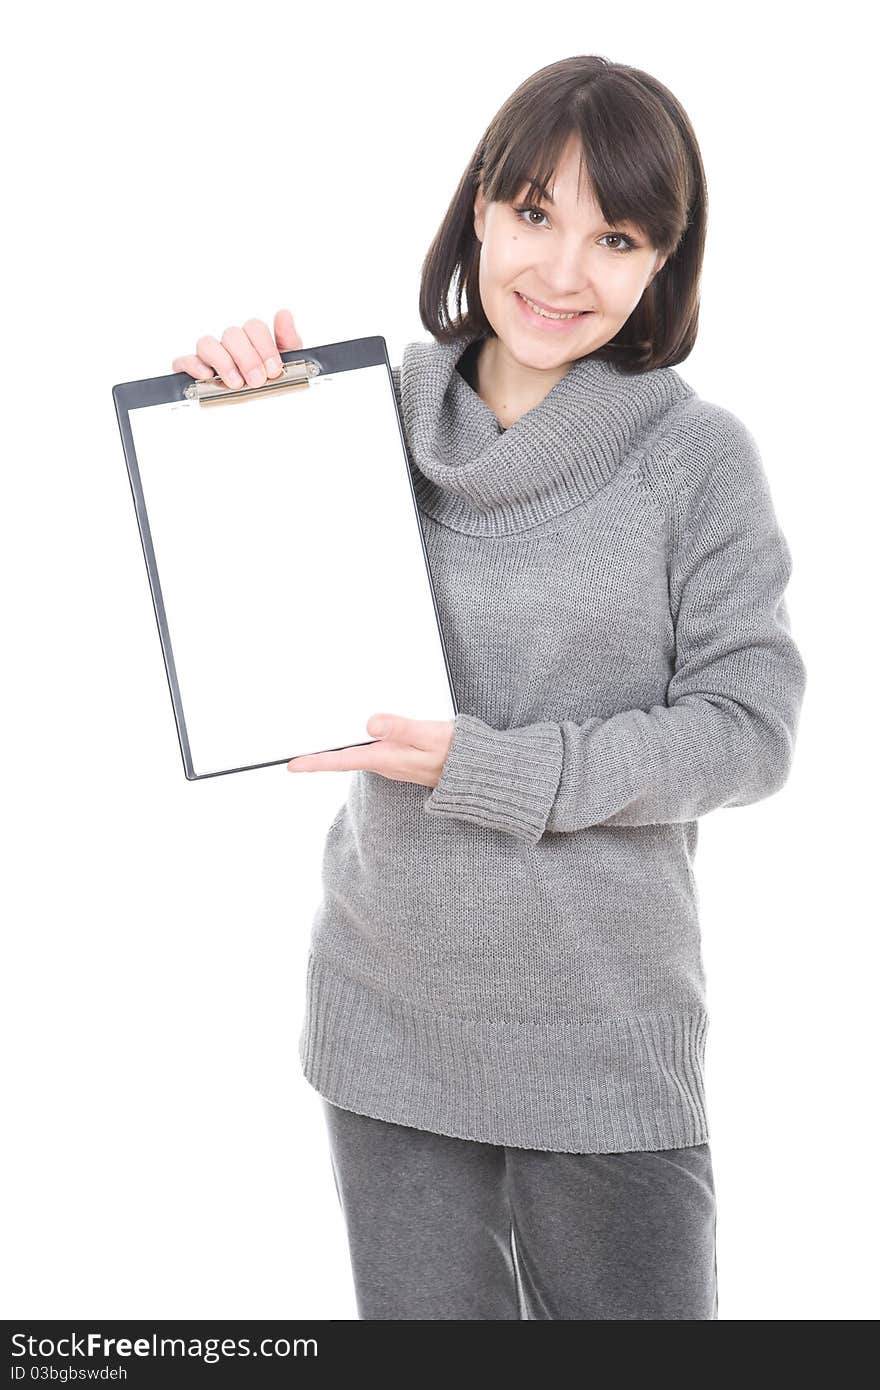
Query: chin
{"points": [[547, 352]]}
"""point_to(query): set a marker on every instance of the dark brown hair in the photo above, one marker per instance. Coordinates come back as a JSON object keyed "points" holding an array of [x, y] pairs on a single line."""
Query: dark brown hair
{"points": [[644, 164]]}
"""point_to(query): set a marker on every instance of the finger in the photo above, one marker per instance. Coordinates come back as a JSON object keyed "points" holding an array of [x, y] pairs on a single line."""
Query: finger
{"points": [[417, 733], [247, 359], [264, 345], [212, 351], [286, 335], [365, 757], [194, 366]]}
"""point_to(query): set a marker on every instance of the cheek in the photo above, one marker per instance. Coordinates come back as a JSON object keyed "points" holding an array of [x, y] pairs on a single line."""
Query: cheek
{"points": [[501, 261], [620, 288]]}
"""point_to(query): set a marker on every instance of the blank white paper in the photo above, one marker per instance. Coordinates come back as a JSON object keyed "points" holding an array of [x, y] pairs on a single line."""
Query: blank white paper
{"points": [[291, 568]]}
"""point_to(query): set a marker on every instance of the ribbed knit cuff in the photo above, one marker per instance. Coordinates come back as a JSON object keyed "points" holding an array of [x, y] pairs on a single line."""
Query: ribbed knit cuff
{"points": [[505, 779]]}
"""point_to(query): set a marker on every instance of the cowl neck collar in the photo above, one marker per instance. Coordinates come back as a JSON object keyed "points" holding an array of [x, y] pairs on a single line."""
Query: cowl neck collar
{"points": [[474, 476]]}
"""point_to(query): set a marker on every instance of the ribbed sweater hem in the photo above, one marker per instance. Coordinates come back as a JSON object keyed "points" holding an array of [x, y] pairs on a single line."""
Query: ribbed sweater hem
{"points": [[610, 1086]]}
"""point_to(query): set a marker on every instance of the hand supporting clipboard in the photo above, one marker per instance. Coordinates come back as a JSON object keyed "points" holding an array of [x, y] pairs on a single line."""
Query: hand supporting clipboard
{"points": [[285, 555]]}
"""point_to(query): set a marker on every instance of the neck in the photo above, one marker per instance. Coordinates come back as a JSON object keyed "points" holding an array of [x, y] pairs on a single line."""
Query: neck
{"points": [[508, 387]]}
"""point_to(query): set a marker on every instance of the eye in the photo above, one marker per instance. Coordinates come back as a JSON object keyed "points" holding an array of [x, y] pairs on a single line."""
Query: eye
{"points": [[629, 245], [621, 236], [529, 207]]}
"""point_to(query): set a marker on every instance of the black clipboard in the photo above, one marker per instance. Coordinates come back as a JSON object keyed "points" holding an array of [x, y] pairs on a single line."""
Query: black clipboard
{"points": [[285, 556]]}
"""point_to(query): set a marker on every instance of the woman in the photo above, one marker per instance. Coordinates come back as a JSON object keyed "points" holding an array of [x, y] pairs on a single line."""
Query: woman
{"points": [[505, 1006]]}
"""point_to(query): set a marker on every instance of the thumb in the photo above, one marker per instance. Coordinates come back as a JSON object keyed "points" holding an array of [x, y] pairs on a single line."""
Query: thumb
{"points": [[286, 336], [379, 725]]}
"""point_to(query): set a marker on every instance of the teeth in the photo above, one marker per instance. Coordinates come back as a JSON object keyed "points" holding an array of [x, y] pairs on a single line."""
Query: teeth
{"points": [[545, 313]]}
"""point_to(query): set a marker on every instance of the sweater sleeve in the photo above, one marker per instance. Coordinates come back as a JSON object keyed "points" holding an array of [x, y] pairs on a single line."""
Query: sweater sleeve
{"points": [[726, 734]]}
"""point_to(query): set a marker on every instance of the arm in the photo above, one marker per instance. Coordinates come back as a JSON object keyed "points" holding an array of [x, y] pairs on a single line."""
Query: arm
{"points": [[726, 735]]}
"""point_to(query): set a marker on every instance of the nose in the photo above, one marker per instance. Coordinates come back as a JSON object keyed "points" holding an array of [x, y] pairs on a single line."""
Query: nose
{"points": [[568, 273]]}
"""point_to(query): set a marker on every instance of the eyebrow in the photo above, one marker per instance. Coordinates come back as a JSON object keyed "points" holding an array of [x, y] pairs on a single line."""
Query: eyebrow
{"points": [[548, 198]]}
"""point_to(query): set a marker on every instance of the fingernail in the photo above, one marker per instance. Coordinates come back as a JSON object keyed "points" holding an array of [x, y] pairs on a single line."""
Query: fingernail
{"points": [[256, 377], [235, 379], [273, 366]]}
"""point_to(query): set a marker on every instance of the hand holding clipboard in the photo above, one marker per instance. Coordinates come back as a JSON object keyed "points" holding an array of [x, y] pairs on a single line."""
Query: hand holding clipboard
{"points": [[291, 590], [243, 355]]}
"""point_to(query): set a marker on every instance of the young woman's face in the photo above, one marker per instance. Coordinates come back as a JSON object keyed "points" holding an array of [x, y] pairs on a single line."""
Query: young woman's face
{"points": [[566, 258]]}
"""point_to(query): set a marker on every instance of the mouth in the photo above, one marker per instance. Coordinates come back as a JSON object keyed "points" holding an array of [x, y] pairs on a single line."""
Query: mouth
{"points": [[538, 312]]}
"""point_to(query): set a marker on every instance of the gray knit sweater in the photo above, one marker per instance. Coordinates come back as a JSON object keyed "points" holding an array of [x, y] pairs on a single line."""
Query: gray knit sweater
{"points": [[513, 956]]}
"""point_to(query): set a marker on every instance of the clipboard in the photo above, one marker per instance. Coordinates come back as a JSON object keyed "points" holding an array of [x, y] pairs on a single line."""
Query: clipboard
{"points": [[285, 556]]}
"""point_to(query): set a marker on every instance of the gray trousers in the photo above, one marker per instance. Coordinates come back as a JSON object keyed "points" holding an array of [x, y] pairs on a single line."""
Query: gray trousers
{"points": [[440, 1227]]}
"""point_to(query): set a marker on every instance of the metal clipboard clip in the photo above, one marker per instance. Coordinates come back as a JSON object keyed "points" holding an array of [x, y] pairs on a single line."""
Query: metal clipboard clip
{"points": [[216, 392]]}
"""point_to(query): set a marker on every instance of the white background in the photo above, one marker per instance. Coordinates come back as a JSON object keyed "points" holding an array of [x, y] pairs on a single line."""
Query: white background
{"points": [[171, 170]]}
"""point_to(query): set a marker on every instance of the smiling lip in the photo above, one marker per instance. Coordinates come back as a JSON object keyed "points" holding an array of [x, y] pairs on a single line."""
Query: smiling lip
{"points": [[551, 308]]}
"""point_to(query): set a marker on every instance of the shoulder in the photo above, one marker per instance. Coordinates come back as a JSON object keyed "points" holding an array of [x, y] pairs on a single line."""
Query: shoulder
{"points": [[706, 453]]}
